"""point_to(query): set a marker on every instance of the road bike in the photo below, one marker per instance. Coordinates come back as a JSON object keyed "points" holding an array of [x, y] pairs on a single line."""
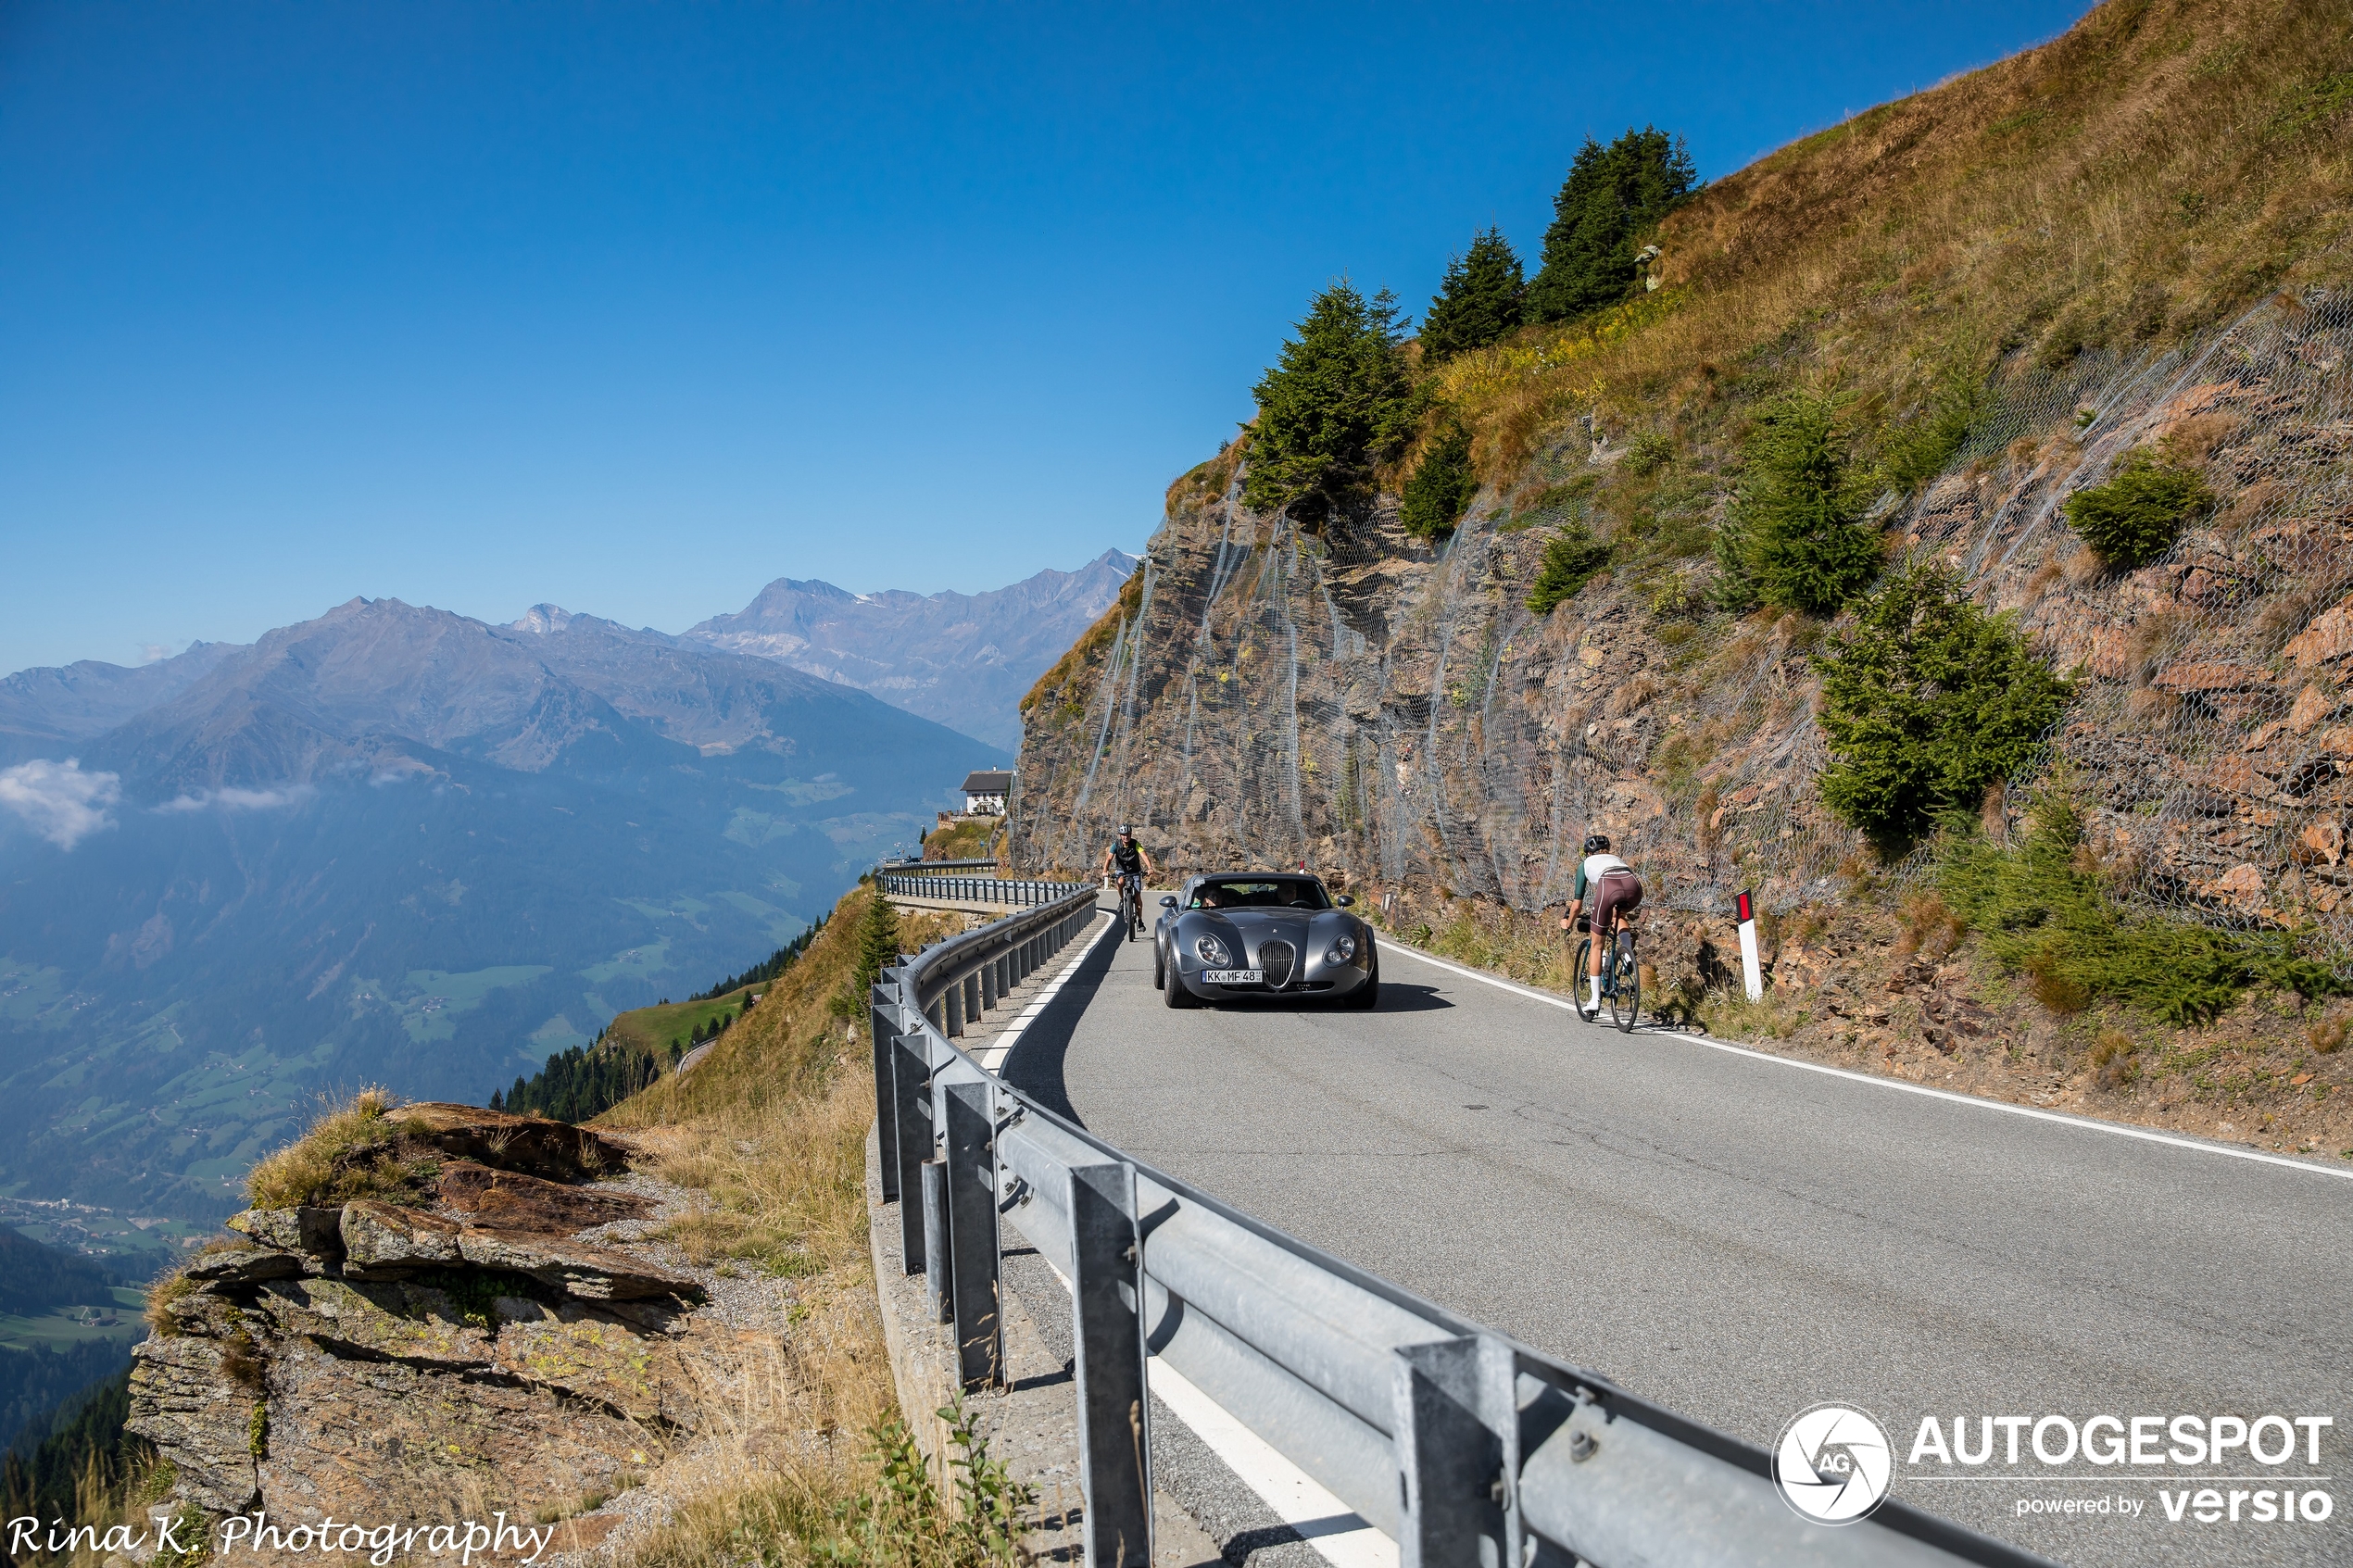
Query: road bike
{"points": [[1621, 979], [1131, 904]]}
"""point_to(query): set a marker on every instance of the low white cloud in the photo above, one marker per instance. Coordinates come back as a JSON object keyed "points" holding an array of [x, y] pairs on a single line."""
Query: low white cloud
{"points": [[64, 804], [239, 799], [152, 653]]}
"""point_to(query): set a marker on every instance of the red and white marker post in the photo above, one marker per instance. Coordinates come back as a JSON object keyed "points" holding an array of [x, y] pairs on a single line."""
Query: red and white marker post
{"points": [[1751, 971]]}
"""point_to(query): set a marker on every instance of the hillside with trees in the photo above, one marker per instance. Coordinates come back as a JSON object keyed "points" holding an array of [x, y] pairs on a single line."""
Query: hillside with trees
{"points": [[1936, 528]]}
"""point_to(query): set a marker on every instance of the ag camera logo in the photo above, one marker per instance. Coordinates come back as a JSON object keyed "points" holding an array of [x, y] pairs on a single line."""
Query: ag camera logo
{"points": [[1832, 1464]]}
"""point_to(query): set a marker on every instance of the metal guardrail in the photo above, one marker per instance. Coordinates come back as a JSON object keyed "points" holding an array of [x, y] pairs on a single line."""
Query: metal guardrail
{"points": [[920, 868], [1015, 892], [1461, 1444]]}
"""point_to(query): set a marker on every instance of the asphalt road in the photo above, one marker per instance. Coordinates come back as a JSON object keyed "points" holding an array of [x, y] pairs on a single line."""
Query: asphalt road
{"points": [[1740, 1238]]}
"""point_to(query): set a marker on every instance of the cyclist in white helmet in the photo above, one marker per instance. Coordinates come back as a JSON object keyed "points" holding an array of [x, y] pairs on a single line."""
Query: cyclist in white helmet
{"points": [[1615, 892]]}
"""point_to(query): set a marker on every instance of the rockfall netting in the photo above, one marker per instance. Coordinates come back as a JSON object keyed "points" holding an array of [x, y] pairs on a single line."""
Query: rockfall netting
{"points": [[1373, 706]]}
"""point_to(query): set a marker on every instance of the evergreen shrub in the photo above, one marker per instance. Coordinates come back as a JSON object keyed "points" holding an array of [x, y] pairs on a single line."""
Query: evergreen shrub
{"points": [[1442, 485], [1572, 559], [2136, 517], [2042, 912], [1926, 702], [1796, 538]]}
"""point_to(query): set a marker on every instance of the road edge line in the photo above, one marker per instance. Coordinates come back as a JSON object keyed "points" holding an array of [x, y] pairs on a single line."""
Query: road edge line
{"points": [[2123, 1130], [1296, 1497], [992, 1052]]}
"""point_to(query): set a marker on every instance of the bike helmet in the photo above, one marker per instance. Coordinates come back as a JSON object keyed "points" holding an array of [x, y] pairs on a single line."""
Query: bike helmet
{"points": [[1127, 832], [1596, 841]]}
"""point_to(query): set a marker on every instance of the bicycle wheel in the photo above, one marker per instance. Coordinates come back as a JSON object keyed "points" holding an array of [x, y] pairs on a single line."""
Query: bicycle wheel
{"points": [[1581, 978], [1626, 996]]}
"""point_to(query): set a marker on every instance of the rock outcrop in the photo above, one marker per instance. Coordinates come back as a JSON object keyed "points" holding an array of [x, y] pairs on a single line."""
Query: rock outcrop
{"points": [[383, 1360]]}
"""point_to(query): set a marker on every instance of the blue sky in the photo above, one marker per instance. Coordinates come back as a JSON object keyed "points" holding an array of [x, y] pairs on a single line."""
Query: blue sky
{"points": [[635, 307]]}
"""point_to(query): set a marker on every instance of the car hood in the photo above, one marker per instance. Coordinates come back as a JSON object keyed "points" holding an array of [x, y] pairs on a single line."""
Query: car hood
{"points": [[1294, 926]]}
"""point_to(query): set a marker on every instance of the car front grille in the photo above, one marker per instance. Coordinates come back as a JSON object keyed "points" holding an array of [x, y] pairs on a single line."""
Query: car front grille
{"points": [[1277, 958]]}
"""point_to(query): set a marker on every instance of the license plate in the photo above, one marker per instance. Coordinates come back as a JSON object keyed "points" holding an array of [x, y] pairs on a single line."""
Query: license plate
{"points": [[1233, 976]]}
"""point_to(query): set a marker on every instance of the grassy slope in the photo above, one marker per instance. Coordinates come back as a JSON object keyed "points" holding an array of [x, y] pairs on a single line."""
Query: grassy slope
{"points": [[974, 840], [2163, 164], [653, 1028], [770, 1127]]}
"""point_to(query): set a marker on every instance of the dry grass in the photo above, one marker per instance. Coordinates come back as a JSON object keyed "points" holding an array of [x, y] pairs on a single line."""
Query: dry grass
{"points": [[2114, 1059], [353, 1150], [1925, 927], [2159, 166], [1530, 948], [771, 1129]]}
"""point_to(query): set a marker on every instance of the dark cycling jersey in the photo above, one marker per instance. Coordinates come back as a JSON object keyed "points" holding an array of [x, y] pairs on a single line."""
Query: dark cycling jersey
{"points": [[1128, 859]]}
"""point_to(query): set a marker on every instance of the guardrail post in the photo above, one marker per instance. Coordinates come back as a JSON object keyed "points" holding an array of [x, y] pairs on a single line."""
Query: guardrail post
{"points": [[1108, 1326], [953, 1000], [911, 1112], [1457, 1443], [882, 1029], [989, 989], [939, 1279], [972, 1233], [971, 990]]}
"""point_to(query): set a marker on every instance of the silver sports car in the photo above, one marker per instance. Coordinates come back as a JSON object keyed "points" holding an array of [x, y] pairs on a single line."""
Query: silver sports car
{"points": [[1258, 934]]}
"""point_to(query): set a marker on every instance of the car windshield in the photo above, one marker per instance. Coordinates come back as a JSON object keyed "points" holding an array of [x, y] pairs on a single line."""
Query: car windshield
{"points": [[1261, 892]]}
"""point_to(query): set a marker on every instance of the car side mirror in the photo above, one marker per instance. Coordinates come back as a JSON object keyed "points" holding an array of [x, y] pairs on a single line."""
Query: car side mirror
{"points": [[1344, 901], [1168, 900]]}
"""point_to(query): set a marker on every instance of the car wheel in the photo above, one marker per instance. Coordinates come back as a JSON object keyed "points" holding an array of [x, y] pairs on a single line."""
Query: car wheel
{"points": [[1174, 992], [1366, 997], [1159, 967]]}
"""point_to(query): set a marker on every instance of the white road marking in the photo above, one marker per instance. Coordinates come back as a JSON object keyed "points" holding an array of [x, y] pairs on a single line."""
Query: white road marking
{"points": [[1298, 1501], [2084, 1123], [992, 1054]]}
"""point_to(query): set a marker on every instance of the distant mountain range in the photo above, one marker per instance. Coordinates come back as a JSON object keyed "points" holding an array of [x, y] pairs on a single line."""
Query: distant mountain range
{"points": [[964, 659], [397, 845]]}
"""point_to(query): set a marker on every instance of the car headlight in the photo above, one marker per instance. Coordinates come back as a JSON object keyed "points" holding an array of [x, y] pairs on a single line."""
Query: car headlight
{"points": [[1342, 951], [1213, 952]]}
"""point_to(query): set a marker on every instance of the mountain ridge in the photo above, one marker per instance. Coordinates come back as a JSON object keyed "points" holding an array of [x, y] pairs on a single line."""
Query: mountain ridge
{"points": [[977, 654], [393, 843]]}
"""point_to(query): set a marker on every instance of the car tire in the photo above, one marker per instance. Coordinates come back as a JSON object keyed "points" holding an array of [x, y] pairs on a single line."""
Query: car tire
{"points": [[1159, 967], [1366, 997], [1174, 993]]}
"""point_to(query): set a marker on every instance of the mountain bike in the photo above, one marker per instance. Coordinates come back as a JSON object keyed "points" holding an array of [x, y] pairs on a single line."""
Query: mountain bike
{"points": [[1131, 904], [1621, 979]]}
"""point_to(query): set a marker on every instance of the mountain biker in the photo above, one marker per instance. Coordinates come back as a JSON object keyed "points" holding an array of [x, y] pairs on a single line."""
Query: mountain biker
{"points": [[1132, 863], [1617, 893]]}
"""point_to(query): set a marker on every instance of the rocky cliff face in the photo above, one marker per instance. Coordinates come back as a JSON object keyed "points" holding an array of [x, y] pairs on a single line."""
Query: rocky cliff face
{"points": [[1393, 713], [508, 1347]]}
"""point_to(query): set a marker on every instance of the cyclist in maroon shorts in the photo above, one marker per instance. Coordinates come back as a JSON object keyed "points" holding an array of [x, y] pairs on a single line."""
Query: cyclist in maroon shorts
{"points": [[1615, 892]]}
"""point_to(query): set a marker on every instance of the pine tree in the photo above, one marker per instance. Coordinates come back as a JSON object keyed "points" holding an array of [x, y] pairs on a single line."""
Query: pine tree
{"points": [[1478, 304], [1796, 538], [877, 946], [1337, 405], [1613, 196], [1442, 485]]}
